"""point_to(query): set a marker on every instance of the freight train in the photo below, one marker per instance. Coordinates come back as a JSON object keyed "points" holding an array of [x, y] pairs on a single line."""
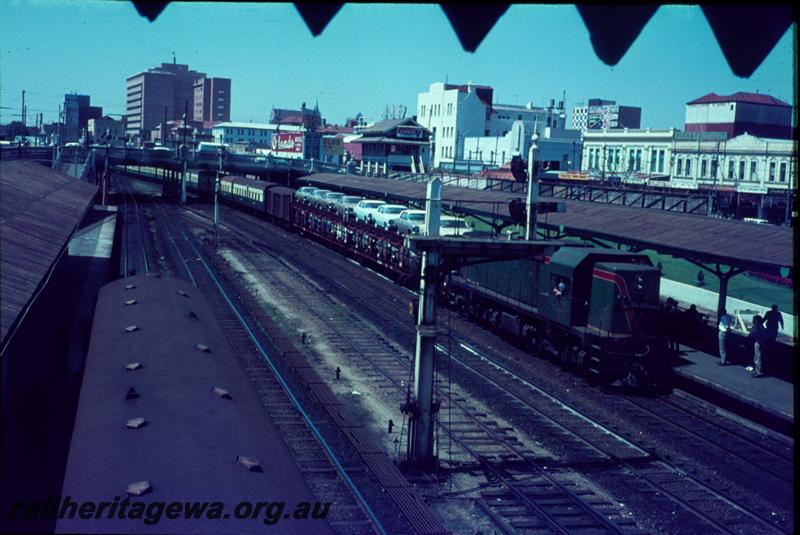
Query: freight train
{"points": [[594, 310]]}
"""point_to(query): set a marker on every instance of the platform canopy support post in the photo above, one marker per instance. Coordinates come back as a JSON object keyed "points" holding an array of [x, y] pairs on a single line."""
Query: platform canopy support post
{"points": [[420, 441]]}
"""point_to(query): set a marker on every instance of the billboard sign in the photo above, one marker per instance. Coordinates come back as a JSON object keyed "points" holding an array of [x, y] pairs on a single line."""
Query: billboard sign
{"points": [[288, 142], [413, 132], [599, 117], [332, 146]]}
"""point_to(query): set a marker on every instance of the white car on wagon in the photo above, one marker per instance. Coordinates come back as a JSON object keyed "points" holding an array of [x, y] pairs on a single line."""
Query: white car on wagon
{"points": [[410, 221], [453, 226], [366, 208], [385, 215]]}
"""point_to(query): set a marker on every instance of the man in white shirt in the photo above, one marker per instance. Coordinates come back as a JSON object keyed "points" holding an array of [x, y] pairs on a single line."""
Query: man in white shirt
{"points": [[725, 322]]}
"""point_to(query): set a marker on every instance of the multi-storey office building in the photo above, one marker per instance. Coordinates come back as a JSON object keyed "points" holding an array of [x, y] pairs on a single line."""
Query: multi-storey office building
{"points": [[212, 100], [165, 93]]}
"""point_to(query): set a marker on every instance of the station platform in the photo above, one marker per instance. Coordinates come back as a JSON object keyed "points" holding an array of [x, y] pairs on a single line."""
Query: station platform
{"points": [[767, 401]]}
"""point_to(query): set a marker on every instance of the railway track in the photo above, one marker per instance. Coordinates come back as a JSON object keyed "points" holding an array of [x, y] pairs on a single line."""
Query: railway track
{"points": [[716, 510], [326, 477], [134, 256], [530, 497]]}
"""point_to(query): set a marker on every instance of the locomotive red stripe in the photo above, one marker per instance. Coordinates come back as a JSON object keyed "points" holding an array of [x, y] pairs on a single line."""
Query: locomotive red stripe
{"points": [[622, 286]]}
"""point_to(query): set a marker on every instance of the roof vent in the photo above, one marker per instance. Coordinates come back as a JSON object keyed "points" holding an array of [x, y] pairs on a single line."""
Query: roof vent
{"points": [[139, 488], [248, 464], [221, 392], [130, 286], [181, 292], [132, 394], [130, 302], [131, 328], [204, 348], [136, 423], [133, 366], [193, 315]]}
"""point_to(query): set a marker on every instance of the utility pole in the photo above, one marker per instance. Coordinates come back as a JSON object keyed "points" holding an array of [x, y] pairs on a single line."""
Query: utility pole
{"points": [[533, 188], [23, 111], [183, 150], [420, 443], [216, 200]]}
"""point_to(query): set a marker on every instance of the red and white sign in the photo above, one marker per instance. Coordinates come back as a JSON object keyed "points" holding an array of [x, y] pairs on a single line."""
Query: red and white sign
{"points": [[287, 142], [413, 132]]}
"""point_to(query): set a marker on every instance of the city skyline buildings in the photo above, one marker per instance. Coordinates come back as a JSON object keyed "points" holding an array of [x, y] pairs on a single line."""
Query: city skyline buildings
{"points": [[352, 68]]}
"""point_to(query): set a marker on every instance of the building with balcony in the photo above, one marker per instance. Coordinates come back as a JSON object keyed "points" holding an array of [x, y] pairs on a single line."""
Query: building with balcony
{"points": [[748, 176], [743, 176], [740, 113], [628, 155], [400, 144], [453, 113]]}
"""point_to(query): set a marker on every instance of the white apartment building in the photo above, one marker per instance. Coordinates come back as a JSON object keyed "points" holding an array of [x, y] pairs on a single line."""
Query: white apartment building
{"points": [[454, 113]]}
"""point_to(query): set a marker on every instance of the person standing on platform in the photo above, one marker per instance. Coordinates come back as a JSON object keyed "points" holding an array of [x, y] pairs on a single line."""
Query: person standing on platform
{"points": [[758, 334], [725, 322], [773, 319]]}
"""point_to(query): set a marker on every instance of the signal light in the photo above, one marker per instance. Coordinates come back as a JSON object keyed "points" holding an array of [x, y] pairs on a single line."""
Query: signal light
{"points": [[516, 209], [518, 169]]}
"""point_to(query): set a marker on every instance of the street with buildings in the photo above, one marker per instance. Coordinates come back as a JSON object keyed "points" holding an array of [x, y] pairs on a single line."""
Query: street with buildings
{"points": [[737, 149]]}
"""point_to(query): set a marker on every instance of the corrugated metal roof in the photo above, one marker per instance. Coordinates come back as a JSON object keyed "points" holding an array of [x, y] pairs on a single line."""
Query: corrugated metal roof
{"points": [[751, 246], [40, 209]]}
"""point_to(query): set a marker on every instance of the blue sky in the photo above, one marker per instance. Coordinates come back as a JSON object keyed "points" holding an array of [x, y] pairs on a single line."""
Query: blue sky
{"points": [[369, 56]]}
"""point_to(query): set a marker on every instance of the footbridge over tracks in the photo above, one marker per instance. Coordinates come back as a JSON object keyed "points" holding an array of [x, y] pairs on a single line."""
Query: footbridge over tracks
{"points": [[198, 160], [722, 247]]}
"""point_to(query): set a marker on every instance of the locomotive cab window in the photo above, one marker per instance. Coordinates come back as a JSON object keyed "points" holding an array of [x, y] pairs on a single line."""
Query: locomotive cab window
{"points": [[560, 287]]}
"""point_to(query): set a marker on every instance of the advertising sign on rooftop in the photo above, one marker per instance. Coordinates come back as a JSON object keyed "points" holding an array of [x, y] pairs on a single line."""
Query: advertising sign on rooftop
{"points": [[287, 142], [413, 132]]}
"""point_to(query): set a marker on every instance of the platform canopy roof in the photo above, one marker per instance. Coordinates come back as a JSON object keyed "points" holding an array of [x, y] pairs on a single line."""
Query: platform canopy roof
{"points": [[40, 209], [746, 34]]}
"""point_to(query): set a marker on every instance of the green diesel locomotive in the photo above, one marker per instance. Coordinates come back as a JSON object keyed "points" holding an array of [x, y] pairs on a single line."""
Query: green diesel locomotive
{"points": [[596, 310]]}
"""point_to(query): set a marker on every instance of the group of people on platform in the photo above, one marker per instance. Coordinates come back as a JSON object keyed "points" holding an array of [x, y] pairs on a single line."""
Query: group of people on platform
{"points": [[763, 333], [688, 326]]}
